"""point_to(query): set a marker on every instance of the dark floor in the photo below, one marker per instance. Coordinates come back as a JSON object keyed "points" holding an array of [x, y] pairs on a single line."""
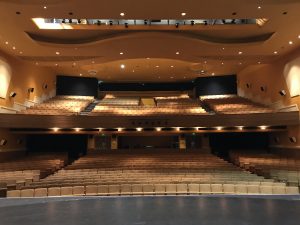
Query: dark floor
{"points": [[175, 210]]}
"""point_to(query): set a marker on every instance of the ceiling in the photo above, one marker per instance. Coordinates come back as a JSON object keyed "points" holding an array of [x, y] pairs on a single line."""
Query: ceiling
{"points": [[149, 55]]}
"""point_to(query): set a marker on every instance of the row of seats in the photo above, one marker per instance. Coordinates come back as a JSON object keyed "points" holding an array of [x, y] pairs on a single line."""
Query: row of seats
{"points": [[233, 104], [273, 166], [120, 101], [23, 171], [60, 105], [157, 189]]}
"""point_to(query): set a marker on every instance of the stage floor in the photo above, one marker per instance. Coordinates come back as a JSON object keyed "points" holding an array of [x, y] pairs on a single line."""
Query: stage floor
{"points": [[156, 210]]}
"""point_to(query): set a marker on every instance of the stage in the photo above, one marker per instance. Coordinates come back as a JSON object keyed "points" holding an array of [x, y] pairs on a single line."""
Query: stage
{"points": [[155, 210]]}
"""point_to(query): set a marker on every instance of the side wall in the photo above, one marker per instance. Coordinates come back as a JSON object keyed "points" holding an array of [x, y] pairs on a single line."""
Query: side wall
{"points": [[272, 78], [23, 76]]}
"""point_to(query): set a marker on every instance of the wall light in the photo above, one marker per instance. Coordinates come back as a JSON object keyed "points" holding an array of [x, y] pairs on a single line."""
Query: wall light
{"points": [[219, 128], [77, 129], [158, 128], [263, 127], [55, 129], [120, 129], [240, 127], [139, 129]]}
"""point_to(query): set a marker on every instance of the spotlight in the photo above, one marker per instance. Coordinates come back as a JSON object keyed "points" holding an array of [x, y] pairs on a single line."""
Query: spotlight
{"points": [[145, 22], [79, 21], [282, 93], [139, 129], [177, 25], [70, 20], [110, 22], [205, 22], [98, 22], [192, 22], [77, 129], [3, 142], [158, 129], [263, 127], [12, 94], [126, 25], [30, 90], [55, 129]]}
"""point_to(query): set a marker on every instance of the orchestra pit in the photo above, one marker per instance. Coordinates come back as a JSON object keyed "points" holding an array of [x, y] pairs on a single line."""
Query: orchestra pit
{"points": [[161, 112]]}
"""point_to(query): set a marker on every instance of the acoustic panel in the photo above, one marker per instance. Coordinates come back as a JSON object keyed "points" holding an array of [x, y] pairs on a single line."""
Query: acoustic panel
{"points": [[5, 77], [292, 77]]}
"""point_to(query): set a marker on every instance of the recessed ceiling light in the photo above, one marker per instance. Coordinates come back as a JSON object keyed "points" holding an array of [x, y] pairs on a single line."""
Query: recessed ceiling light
{"points": [[148, 58], [172, 66], [222, 63], [133, 71], [157, 66], [6, 42], [122, 14], [36, 63], [122, 66], [57, 53], [240, 53], [171, 77], [56, 64], [275, 52], [290, 43], [223, 48], [299, 36], [80, 74], [93, 61], [21, 53], [240, 63], [259, 7], [259, 62], [205, 62], [121, 53], [184, 77], [213, 74], [45, 7], [183, 14], [14, 48], [177, 53]]}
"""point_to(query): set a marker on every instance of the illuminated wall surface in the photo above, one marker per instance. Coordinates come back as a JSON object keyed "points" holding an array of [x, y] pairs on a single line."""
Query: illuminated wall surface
{"points": [[5, 76], [292, 76]]}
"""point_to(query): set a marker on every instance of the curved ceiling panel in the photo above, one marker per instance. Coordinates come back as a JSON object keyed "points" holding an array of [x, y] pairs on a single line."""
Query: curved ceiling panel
{"points": [[92, 37]]}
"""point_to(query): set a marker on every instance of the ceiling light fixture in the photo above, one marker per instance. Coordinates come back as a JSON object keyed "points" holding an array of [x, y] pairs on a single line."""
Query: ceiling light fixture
{"points": [[121, 53], [45, 7], [177, 53], [275, 52], [183, 14], [122, 14], [14, 48], [157, 66], [213, 74], [6, 42], [290, 43], [21, 53], [80, 74], [57, 53], [122, 66], [259, 7], [240, 53], [172, 66]]}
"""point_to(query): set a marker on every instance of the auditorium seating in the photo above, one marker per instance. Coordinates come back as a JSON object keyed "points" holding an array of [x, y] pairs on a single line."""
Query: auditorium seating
{"points": [[60, 105], [23, 171], [233, 104], [125, 101], [158, 173], [169, 106], [273, 166]]}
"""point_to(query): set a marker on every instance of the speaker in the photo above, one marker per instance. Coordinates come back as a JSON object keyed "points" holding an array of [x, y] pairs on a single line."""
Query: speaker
{"points": [[3, 142], [30, 90], [293, 139], [282, 93], [12, 94]]}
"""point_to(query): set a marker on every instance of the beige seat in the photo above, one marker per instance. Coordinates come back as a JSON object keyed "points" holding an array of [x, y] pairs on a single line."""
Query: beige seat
{"points": [[114, 190], [160, 189], [279, 190], [53, 191], [66, 191], [40, 192], [91, 190], [253, 189], [194, 189], [171, 189], [267, 190], [205, 189], [148, 189], [27, 193], [126, 189], [14, 194], [137, 189], [292, 190], [217, 188], [181, 189], [78, 191], [228, 189], [103, 190], [241, 189]]}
